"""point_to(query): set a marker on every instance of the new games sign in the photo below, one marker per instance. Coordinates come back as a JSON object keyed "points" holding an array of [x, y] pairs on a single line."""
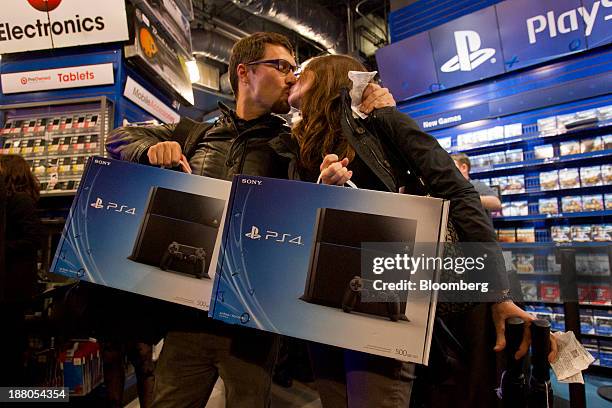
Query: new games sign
{"points": [[27, 25], [510, 35]]}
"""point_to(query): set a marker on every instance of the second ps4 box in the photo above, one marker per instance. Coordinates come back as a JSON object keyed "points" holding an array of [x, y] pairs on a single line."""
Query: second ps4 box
{"points": [[292, 259]]}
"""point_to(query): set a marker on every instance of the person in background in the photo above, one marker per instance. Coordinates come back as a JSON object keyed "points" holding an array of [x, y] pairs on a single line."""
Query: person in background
{"points": [[21, 240], [488, 197]]}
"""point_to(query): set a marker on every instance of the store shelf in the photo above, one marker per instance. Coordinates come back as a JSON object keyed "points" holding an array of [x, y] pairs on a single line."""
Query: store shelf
{"points": [[529, 164], [537, 217], [562, 191], [581, 305], [470, 149], [535, 245]]}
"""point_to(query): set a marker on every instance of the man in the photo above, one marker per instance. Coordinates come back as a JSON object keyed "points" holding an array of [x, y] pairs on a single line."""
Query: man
{"points": [[488, 197], [250, 141]]}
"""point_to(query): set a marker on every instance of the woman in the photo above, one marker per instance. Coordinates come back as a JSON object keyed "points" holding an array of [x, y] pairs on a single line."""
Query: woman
{"points": [[377, 153], [21, 240]]}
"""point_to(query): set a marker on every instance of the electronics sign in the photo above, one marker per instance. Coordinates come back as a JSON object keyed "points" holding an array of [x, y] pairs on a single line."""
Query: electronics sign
{"points": [[28, 25]]}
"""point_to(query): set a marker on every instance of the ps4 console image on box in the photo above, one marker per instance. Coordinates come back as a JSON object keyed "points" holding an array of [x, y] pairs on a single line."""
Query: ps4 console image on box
{"points": [[334, 273], [178, 231], [295, 257], [146, 230]]}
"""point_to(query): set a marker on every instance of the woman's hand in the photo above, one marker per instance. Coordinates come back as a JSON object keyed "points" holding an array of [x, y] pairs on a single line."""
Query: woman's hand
{"points": [[375, 97], [334, 171], [507, 309]]}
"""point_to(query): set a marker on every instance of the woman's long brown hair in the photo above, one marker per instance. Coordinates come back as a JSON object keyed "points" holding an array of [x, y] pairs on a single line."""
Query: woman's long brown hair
{"points": [[18, 177], [319, 132]]}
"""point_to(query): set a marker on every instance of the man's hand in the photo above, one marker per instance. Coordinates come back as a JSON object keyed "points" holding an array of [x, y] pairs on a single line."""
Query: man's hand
{"points": [[375, 97], [507, 309], [167, 154], [334, 171]]}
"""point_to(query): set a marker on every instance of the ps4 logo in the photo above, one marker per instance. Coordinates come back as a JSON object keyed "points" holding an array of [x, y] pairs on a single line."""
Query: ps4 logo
{"points": [[273, 235], [99, 205], [469, 54]]}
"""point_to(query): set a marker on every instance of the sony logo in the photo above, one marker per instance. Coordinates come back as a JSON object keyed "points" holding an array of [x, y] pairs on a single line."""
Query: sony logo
{"points": [[252, 181], [102, 162], [566, 22]]}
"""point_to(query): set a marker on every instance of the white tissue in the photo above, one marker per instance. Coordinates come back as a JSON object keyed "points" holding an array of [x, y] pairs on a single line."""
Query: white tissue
{"points": [[360, 81]]}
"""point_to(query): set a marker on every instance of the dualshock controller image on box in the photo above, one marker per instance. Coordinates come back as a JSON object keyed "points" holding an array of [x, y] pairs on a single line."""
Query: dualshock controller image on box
{"points": [[178, 232], [335, 264]]}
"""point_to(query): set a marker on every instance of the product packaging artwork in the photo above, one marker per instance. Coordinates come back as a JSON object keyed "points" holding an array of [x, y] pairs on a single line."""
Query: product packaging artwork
{"points": [[311, 284], [145, 230], [549, 180]]}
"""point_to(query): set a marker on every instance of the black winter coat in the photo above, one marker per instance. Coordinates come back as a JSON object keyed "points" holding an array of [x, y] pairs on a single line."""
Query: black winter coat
{"points": [[261, 147], [400, 154], [23, 235]]}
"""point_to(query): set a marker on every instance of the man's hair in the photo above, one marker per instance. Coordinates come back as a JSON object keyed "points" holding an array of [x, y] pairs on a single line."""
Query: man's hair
{"points": [[253, 48], [462, 158]]}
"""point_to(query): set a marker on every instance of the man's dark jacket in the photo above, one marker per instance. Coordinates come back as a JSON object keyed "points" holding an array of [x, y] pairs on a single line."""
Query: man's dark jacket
{"points": [[261, 147]]}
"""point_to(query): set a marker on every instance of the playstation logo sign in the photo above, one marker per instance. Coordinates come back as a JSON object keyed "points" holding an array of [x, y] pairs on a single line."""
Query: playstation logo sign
{"points": [[97, 204], [254, 234], [469, 54]]}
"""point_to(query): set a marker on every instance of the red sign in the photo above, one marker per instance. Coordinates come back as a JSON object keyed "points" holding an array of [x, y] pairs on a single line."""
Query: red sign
{"points": [[45, 5]]}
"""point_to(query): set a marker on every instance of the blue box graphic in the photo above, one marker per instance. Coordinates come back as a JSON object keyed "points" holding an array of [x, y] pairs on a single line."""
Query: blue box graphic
{"points": [[291, 251], [145, 230]]}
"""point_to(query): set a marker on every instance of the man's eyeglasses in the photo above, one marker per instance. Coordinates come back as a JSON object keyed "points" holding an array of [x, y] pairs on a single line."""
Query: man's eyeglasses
{"points": [[281, 65]]}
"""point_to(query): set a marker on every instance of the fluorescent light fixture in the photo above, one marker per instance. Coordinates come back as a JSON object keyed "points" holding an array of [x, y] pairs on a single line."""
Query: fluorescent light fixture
{"points": [[194, 72]]}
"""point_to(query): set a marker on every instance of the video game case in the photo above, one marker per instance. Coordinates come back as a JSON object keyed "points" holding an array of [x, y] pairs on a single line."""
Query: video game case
{"points": [[587, 322], [601, 294], [530, 291], [571, 204], [569, 148], [553, 267], [549, 180], [592, 203], [599, 264], [606, 173], [548, 206], [513, 156], [516, 185], [507, 235], [560, 233], [569, 178], [591, 145], [591, 176], [549, 291], [512, 130], [524, 263], [445, 142], [607, 141], [525, 234], [601, 232], [544, 152], [580, 233]]}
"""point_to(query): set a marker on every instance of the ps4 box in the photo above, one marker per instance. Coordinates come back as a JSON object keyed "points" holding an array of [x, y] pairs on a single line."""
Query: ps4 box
{"points": [[145, 230], [316, 265]]}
